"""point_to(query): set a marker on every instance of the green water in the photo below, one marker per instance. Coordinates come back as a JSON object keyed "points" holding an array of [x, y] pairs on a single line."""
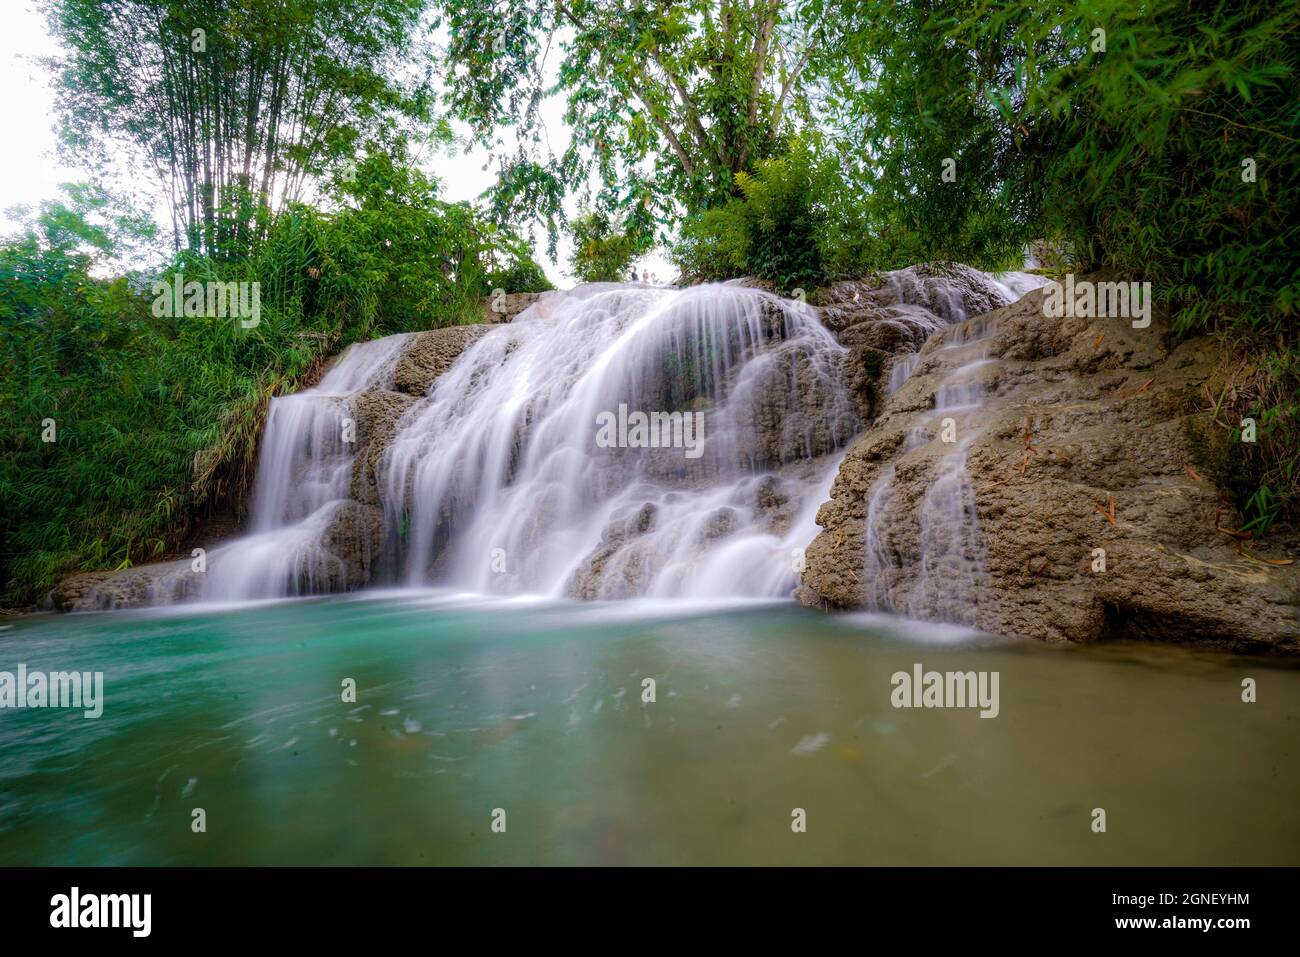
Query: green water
{"points": [[466, 707]]}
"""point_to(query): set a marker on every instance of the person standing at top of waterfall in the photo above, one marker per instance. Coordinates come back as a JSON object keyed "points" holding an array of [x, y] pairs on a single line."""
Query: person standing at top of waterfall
{"points": [[634, 279]]}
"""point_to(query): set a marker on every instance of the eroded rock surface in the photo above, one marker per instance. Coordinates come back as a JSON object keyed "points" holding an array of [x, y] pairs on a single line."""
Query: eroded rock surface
{"points": [[128, 588], [504, 308], [1068, 415], [377, 412], [430, 354], [350, 545]]}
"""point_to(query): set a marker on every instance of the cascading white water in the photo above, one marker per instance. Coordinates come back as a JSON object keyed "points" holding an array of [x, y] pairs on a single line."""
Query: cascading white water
{"points": [[303, 477], [942, 575], [501, 485], [901, 371], [306, 459], [498, 481]]}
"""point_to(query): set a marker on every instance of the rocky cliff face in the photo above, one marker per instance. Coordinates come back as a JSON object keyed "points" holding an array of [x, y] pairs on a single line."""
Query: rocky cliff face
{"points": [[1064, 501]]}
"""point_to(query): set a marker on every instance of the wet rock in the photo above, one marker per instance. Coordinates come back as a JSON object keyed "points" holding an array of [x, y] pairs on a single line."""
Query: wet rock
{"points": [[129, 588], [353, 540], [644, 520], [770, 494], [614, 568], [430, 354], [884, 318], [1078, 413], [720, 523], [377, 413], [890, 307], [791, 408]]}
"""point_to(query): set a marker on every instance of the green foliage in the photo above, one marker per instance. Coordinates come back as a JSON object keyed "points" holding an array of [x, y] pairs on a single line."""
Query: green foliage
{"points": [[601, 252], [518, 272], [1263, 476], [234, 107], [919, 137], [158, 418], [773, 230], [667, 99], [400, 252], [1135, 154], [795, 223], [1140, 156], [713, 245]]}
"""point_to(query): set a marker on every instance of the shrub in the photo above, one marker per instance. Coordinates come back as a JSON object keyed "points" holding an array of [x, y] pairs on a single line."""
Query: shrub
{"points": [[776, 229]]}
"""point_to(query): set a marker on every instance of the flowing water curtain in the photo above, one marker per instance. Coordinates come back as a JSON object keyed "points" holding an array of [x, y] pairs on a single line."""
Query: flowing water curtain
{"points": [[924, 551], [308, 535], [503, 459]]}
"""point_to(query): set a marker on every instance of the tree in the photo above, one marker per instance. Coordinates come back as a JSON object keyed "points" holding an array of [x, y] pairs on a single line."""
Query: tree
{"points": [[915, 113], [236, 107], [668, 100], [601, 252]]}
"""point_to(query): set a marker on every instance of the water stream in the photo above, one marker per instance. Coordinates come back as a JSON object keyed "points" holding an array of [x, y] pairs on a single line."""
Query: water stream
{"points": [[511, 490], [495, 690]]}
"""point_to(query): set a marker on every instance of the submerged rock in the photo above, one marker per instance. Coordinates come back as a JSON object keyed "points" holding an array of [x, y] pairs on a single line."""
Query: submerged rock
{"points": [[1082, 514]]}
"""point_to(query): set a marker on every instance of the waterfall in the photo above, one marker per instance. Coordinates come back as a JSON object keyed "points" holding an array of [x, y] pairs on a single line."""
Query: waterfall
{"points": [[498, 481], [617, 441], [306, 460], [501, 485], [301, 492], [924, 553]]}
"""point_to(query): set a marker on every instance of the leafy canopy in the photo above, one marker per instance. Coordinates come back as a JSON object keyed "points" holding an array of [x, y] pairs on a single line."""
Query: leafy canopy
{"points": [[667, 100]]}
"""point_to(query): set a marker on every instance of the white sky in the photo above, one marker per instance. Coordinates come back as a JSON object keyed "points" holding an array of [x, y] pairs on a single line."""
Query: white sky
{"points": [[28, 169], [31, 172]]}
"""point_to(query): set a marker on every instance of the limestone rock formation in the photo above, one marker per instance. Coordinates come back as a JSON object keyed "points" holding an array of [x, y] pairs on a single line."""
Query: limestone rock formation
{"points": [[377, 412], [506, 306], [128, 588], [1083, 439], [430, 354], [350, 546]]}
